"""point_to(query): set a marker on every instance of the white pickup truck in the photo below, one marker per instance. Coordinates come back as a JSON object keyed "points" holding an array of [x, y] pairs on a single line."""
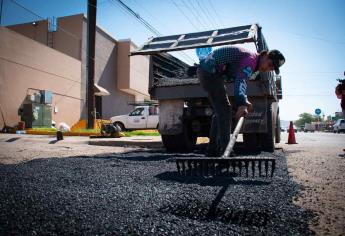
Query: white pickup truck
{"points": [[142, 117]]}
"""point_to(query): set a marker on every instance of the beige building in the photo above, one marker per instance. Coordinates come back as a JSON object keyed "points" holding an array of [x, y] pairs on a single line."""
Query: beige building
{"points": [[33, 57]]}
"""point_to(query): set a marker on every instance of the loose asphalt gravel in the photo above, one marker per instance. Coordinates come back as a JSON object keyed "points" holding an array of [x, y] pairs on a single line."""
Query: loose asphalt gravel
{"points": [[140, 193]]}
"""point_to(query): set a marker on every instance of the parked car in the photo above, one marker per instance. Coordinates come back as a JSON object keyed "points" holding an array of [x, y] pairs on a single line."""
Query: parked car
{"points": [[142, 117], [339, 126]]}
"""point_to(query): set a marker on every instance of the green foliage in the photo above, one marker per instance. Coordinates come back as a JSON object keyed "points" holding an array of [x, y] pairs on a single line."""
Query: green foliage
{"points": [[44, 129], [141, 133], [305, 118]]}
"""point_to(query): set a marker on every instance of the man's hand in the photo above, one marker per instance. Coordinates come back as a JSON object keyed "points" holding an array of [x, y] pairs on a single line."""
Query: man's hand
{"points": [[243, 110]]}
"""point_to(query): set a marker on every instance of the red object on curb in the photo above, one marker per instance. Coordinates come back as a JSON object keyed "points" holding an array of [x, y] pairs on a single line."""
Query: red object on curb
{"points": [[21, 125], [292, 139]]}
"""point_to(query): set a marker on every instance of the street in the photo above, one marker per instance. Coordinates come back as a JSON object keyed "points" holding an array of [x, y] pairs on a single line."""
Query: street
{"points": [[70, 187]]}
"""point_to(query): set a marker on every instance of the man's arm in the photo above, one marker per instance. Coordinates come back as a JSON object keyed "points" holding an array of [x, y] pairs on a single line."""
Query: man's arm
{"points": [[240, 91]]}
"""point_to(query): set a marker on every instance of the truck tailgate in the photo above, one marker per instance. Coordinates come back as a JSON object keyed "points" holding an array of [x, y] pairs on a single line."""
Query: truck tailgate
{"points": [[256, 88]]}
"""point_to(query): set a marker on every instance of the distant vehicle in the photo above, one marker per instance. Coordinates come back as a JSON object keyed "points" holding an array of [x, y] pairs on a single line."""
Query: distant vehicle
{"points": [[309, 127], [142, 117], [282, 129], [339, 126]]}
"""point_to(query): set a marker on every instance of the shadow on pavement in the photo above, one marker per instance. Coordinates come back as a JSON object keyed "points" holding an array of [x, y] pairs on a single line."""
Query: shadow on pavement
{"points": [[173, 176]]}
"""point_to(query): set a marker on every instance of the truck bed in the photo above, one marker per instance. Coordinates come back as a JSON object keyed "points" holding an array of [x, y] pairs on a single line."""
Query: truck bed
{"points": [[186, 88]]}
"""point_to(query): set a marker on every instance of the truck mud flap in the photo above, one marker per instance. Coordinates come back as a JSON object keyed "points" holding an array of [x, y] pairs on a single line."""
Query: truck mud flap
{"points": [[170, 117]]}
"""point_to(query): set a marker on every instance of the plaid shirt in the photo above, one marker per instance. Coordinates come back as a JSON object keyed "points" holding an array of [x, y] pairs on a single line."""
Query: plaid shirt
{"points": [[235, 62]]}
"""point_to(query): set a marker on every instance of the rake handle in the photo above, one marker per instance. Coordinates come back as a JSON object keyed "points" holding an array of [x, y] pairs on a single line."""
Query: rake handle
{"points": [[233, 138]]}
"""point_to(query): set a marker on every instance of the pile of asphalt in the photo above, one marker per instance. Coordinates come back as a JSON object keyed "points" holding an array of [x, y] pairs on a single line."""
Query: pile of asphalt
{"points": [[166, 82], [139, 193]]}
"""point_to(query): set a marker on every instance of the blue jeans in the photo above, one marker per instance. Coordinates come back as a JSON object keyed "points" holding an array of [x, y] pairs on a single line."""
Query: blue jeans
{"points": [[221, 119]]}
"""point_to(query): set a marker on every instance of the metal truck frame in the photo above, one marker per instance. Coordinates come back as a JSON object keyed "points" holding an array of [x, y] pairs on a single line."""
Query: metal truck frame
{"points": [[185, 112]]}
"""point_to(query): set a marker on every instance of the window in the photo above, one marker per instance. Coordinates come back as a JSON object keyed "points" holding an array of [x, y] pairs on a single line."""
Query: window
{"points": [[137, 112], [153, 110]]}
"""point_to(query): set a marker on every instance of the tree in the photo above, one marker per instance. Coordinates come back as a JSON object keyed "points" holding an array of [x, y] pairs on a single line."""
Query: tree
{"points": [[305, 118]]}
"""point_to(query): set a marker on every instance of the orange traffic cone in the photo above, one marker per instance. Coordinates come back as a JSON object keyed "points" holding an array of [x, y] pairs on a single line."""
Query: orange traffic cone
{"points": [[292, 139]]}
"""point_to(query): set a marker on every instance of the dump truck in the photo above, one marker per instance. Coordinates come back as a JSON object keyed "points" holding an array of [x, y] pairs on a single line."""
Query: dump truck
{"points": [[185, 111]]}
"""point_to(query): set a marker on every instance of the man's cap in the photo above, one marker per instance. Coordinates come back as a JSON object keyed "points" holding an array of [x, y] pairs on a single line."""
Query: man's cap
{"points": [[277, 58]]}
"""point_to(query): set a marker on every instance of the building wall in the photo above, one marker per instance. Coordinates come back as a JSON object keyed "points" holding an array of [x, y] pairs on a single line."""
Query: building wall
{"points": [[109, 60], [66, 42], [106, 66], [133, 71], [67, 39], [27, 66]]}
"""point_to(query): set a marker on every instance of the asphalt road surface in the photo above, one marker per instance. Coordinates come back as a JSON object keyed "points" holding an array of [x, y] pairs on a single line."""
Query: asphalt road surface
{"points": [[69, 187]]}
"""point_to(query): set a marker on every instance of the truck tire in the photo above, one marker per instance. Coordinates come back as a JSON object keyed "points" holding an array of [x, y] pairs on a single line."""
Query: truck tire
{"points": [[184, 142], [120, 125], [278, 132], [267, 139]]}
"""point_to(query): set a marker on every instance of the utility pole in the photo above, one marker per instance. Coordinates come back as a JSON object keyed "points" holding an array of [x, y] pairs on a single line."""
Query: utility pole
{"points": [[1, 5], [91, 39]]}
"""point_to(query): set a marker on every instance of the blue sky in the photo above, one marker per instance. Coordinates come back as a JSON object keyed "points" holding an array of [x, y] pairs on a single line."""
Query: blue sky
{"points": [[310, 33]]}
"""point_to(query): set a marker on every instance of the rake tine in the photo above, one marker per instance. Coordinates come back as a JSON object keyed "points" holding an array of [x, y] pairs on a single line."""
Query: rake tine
{"points": [[198, 168], [206, 168], [178, 167], [201, 166], [259, 168], [189, 169], [228, 168], [266, 168], [195, 168], [216, 168], [240, 167], [213, 163], [273, 167], [221, 166], [183, 168], [246, 165], [253, 168], [233, 164]]}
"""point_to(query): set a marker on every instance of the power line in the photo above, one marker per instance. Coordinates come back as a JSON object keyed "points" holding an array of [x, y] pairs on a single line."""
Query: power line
{"points": [[307, 36], [190, 21], [200, 13], [215, 12], [194, 15], [207, 17], [145, 23], [210, 15]]}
